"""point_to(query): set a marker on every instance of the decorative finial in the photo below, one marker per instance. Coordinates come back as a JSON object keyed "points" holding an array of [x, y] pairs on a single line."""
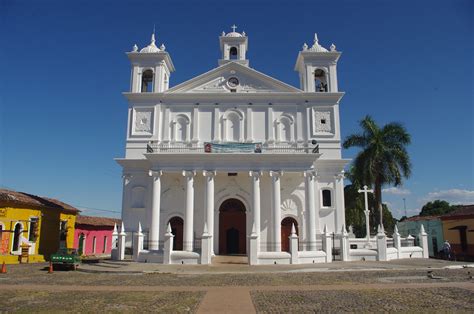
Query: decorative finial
{"points": [[243, 33], [135, 48], [233, 28], [316, 38], [333, 47], [223, 34], [305, 46], [162, 47], [293, 230], [152, 38]]}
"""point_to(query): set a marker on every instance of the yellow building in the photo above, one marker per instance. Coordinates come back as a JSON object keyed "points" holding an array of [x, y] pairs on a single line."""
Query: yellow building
{"points": [[33, 227], [458, 230]]}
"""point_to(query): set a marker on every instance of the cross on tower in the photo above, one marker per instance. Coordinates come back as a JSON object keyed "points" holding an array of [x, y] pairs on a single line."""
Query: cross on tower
{"points": [[233, 28]]}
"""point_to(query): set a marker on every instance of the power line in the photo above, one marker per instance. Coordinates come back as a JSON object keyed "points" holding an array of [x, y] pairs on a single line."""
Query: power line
{"points": [[98, 209]]}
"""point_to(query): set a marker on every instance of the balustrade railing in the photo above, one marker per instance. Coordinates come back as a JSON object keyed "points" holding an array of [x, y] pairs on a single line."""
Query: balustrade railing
{"points": [[290, 148]]}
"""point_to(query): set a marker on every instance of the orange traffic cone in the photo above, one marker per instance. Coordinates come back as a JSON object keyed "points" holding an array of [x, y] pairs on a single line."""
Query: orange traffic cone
{"points": [[4, 268], [50, 270]]}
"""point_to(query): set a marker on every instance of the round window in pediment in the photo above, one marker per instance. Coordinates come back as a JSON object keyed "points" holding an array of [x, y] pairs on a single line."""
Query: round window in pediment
{"points": [[233, 82]]}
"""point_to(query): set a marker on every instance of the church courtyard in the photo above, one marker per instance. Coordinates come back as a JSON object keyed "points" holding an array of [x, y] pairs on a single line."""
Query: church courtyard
{"points": [[397, 286]]}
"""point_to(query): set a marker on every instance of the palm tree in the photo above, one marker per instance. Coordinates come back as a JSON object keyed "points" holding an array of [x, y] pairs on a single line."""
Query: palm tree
{"points": [[383, 159]]}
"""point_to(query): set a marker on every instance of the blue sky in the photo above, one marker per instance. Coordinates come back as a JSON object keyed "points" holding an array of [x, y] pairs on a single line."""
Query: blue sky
{"points": [[63, 118]]}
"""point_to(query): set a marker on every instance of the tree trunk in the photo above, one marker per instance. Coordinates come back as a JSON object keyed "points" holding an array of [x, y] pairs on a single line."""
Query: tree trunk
{"points": [[378, 199]]}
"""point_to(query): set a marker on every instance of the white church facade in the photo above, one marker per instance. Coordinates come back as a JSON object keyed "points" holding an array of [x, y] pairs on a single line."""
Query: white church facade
{"points": [[233, 161]]}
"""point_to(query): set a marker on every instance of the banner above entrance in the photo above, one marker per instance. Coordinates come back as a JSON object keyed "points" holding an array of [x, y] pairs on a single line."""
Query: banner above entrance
{"points": [[210, 147]]}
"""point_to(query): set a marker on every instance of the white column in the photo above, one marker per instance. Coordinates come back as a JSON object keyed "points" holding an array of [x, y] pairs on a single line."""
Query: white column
{"points": [[310, 176], [154, 235], [339, 199], [209, 175], [189, 211], [276, 203], [256, 203]]}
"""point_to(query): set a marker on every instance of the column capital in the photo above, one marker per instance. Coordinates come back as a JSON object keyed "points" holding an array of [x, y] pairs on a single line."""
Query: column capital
{"points": [[340, 175], [255, 174], [276, 174], [155, 173], [209, 173], [189, 173], [311, 174]]}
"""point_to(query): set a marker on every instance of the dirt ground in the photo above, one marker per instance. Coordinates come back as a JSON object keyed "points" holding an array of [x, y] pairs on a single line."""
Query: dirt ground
{"points": [[30, 288]]}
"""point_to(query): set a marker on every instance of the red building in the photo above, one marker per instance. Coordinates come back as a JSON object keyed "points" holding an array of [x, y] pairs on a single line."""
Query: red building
{"points": [[93, 235]]}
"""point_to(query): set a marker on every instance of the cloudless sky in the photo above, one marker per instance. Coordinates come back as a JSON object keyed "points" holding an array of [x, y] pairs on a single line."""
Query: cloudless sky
{"points": [[63, 69]]}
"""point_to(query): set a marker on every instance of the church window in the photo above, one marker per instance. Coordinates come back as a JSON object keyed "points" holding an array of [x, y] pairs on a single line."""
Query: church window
{"points": [[147, 81], [320, 81], [33, 232], [327, 201], [181, 129], [233, 127], [233, 53]]}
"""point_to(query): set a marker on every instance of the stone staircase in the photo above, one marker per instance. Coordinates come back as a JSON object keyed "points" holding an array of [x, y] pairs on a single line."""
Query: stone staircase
{"points": [[230, 259]]}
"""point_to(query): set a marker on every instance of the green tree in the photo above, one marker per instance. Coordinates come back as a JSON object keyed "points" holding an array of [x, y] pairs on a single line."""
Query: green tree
{"points": [[437, 207], [383, 159]]}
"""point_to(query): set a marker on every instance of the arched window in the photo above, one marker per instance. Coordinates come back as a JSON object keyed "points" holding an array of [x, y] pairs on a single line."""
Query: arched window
{"points": [[147, 81], [180, 129], [177, 230], [17, 237], [320, 81], [81, 246], [232, 127], [233, 53], [284, 129], [138, 197], [327, 201]]}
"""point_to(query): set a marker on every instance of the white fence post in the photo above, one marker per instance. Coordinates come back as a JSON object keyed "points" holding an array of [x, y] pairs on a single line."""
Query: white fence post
{"points": [[327, 244], [293, 245], [138, 247], [397, 241], [344, 245], [424, 242], [381, 244], [121, 244], [206, 246], [253, 244], [168, 248]]}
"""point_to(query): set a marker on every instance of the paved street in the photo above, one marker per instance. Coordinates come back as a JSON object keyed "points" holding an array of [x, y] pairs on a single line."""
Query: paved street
{"points": [[395, 287]]}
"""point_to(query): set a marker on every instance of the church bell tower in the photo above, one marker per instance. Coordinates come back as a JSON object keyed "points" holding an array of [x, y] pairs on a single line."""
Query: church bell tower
{"points": [[151, 68], [317, 67], [233, 47]]}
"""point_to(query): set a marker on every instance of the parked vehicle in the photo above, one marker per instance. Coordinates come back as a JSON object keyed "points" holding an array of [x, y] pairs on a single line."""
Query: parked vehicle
{"points": [[66, 258]]}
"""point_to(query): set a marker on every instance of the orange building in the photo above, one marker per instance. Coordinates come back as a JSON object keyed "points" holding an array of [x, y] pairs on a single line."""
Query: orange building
{"points": [[458, 229]]}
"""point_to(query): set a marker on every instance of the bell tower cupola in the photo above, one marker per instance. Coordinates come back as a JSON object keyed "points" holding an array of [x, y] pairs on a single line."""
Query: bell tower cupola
{"points": [[151, 68], [317, 67], [233, 47]]}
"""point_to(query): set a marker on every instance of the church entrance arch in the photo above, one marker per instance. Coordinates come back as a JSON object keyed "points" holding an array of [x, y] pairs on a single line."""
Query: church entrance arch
{"points": [[232, 227], [177, 230], [286, 225]]}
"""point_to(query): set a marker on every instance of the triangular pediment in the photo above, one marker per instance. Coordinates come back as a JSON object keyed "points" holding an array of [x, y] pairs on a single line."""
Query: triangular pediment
{"points": [[242, 79]]}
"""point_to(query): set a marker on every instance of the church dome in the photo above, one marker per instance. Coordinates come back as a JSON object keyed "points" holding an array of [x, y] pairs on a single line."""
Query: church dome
{"points": [[151, 48], [233, 34]]}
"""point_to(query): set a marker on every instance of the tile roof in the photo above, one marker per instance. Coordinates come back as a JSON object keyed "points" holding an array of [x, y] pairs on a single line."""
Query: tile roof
{"points": [[22, 199], [463, 210], [96, 221], [422, 218]]}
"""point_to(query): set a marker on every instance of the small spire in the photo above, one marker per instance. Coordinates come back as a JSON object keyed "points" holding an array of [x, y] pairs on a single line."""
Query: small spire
{"points": [[205, 228], [162, 47], [115, 229], [395, 229], [325, 230], [139, 227], [233, 28], [422, 229], [243, 33], [333, 47], [152, 42], [293, 230], [135, 48], [305, 46], [168, 229], [223, 34], [316, 38]]}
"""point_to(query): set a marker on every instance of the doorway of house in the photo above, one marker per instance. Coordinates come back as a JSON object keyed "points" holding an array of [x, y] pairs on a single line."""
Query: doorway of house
{"points": [[232, 228], [177, 230], [286, 225]]}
